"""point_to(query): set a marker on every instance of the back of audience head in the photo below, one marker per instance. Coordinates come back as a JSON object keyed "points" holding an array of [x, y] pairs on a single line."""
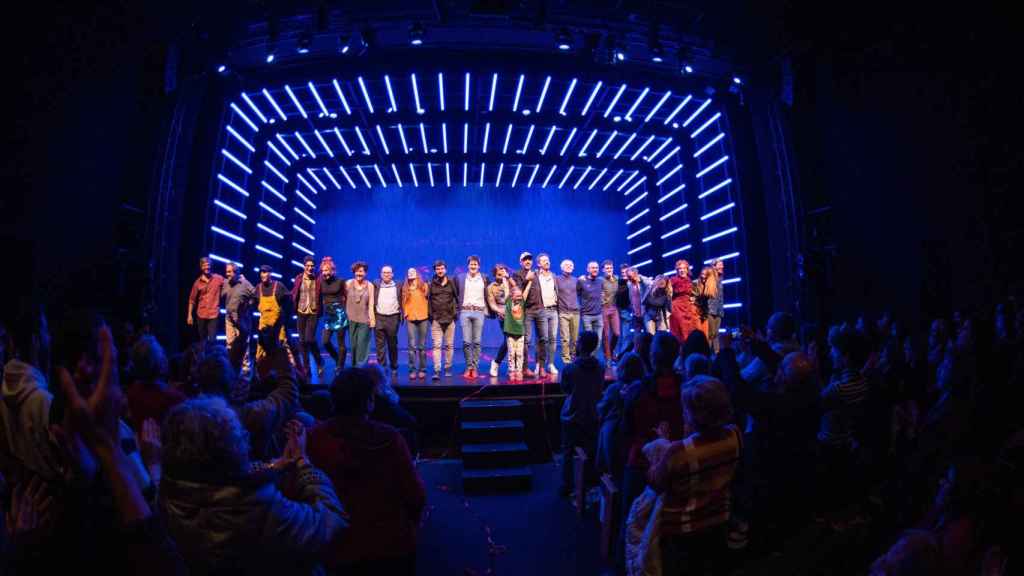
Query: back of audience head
{"points": [[630, 368], [352, 392], [664, 351], [30, 338], [796, 374], [148, 361], [706, 405], [696, 343], [203, 441], [586, 344], [697, 365], [214, 374], [781, 327], [848, 348]]}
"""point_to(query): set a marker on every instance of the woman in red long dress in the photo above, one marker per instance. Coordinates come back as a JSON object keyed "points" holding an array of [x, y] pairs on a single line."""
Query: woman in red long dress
{"points": [[684, 318]]}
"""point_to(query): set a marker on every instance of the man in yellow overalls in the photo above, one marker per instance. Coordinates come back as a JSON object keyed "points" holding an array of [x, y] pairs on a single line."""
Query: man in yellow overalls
{"points": [[273, 299]]}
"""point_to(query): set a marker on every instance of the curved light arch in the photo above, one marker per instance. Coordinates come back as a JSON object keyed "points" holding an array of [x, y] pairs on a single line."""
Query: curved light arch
{"points": [[665, 151]]}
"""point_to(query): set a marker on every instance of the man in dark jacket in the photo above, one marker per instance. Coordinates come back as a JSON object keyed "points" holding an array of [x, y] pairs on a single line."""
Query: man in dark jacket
{"points": [[443, 300], [306, 301], [583, 383]]}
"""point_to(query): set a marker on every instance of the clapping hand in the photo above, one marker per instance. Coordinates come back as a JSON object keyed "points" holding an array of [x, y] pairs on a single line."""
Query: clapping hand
{"points": [[150, 446], [96, 420], [32, 509]]}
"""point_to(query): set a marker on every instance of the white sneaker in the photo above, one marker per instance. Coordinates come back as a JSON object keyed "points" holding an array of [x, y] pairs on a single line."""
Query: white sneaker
{"points": [[552, 370], [494, 369]]}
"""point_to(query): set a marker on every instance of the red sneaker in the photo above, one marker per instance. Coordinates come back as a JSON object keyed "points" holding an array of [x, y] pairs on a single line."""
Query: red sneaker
{"points": [[529, 373], [467, 374]]}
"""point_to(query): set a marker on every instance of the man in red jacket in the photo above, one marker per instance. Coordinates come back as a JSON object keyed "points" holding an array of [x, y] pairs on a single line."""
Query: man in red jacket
{"points": [[357, 453], [306, 300]]}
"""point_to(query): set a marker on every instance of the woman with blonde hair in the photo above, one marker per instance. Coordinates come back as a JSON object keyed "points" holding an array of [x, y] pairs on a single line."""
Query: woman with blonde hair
{"points": [[416, 313]]}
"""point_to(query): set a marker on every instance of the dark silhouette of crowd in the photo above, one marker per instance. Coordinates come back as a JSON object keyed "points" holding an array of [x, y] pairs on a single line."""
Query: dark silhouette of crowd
{"points": [[117, 458], [866, 439]]}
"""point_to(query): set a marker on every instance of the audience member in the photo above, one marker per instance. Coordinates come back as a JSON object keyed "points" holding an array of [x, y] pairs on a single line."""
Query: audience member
{"points": [[611, 454], [583, 382], [373, 473], [695, 474], [149, 394]]}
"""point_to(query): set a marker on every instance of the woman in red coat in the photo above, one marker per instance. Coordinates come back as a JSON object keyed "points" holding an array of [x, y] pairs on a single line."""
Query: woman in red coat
{"points": [[684, 318]]}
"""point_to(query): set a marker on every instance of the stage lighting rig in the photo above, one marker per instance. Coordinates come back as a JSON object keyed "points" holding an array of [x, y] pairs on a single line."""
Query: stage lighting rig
{"points": [[563, 40], [416, 34], [305, 41]]}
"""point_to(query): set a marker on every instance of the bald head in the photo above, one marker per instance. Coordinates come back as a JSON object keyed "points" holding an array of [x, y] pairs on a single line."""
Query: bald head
{"points": [[795, 372]]}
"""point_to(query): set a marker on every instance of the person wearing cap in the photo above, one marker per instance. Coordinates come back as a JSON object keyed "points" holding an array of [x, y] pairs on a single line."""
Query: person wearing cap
{"points": [[273, 299], [472, 290], [524, 278], [417, 321], [204, 301], [443, 299]]}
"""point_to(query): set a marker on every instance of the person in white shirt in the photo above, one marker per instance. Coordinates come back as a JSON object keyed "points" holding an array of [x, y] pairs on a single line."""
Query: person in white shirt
{"points": [[388, 311], [549, 314], [472, 292]]}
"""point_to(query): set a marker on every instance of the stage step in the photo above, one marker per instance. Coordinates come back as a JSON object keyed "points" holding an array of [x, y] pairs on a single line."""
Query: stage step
{"points": [[494, 451], [477, 410], [495, 479], [495, 455], [485, 431]]}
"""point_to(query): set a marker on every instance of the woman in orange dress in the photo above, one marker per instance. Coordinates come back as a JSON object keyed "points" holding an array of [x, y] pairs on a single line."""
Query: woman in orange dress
{"points": [[683, 318]]}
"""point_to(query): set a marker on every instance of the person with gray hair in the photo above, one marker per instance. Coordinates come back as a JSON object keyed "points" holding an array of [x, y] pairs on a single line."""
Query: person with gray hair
{"points": [[225, 512], [568, 287], [149, 395], [696, 474]]}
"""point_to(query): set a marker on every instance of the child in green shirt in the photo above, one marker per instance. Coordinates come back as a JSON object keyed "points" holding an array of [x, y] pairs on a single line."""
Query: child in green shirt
{"points": [[514, 328]]}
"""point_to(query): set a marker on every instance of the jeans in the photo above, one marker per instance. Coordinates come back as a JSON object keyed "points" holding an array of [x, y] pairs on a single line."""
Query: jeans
{"points": [[532, 319], [655, 322], [612, 330], [360, 342], [339, 353], [594, 323], [547, 330], [472, 331], [386, 336], [417, 344], [515, 353], [306, 325], [238, 339], [207, 329], [714, 323], [447, 333], [569, 326]]}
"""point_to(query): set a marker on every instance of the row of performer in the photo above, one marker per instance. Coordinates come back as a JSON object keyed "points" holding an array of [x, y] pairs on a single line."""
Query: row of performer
{"points": [[531, 305]]}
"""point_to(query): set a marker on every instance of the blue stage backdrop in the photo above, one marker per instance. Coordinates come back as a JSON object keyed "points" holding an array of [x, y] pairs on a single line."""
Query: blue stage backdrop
{"points": [[411, 227]]}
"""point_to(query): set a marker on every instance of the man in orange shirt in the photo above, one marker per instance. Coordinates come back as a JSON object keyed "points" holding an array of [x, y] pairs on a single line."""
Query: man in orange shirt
{"points": [[204, 301]]}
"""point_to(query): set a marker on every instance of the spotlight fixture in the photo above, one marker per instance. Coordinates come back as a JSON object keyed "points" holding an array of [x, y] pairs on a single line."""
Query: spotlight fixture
{"points": [[344, 44], [564, 40], [273, 31], [657, 52], [222, 69], [304, 42], [616, 53], [270, 55], [736, 80], [685, 68], [416, 34]]}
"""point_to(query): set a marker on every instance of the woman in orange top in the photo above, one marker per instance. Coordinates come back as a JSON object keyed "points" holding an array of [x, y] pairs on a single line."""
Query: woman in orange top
{"points": [[415, 311]]}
